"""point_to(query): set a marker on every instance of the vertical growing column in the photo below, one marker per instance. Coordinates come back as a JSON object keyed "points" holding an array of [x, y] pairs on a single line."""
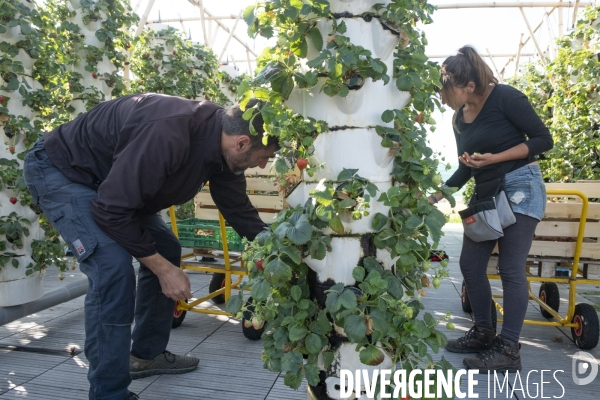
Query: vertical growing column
{"points": [[338, 277]]}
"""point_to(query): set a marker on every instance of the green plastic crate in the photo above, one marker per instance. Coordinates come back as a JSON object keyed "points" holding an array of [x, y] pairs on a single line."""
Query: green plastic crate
{"points": [[194, 232]]}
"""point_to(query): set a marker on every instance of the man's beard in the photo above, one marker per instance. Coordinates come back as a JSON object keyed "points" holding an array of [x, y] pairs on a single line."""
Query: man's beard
{"points": [[238, 164]]}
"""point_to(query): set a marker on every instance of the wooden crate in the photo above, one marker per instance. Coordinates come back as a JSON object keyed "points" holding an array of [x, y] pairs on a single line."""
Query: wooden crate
{"points": [[556, 234], [261, 189]]}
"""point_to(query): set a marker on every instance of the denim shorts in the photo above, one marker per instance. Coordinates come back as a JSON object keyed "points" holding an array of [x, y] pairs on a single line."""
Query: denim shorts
{"points": [[526, 191]]}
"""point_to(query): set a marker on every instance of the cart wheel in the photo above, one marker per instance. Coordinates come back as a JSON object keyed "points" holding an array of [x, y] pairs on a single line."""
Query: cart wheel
{"points": [[217, 282], [178, 316], [466, 303], [249, 331], [494, 315], [549, 294], [586, 335]]}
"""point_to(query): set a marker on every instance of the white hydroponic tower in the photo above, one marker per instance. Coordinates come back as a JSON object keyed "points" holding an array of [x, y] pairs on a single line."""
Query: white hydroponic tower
{"points": [[351, 143]]}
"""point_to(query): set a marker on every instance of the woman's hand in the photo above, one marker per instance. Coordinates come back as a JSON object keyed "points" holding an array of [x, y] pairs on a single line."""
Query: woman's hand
{"points": [[477, 160]]}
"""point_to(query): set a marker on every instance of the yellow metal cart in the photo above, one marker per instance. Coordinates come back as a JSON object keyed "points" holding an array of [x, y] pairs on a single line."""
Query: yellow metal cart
{"points": [[562, 220]]}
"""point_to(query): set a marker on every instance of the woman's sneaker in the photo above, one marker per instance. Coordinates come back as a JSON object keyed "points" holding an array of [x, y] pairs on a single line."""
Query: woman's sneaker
{"points": [[502, 356], [475, 340]]}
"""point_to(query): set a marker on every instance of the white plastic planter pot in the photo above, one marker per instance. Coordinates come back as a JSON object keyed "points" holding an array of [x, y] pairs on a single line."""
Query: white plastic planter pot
{"points": [[27, 61], [362, 108], [339, 263], [354, 7], [352, 148], [369, 35]]}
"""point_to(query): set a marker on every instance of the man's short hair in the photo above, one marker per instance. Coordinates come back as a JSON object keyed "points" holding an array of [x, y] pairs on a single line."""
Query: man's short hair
{"points": [[235, 125]]}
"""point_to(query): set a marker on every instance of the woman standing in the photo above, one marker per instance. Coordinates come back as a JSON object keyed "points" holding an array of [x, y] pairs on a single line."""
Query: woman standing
{"points": [[496, 131]]}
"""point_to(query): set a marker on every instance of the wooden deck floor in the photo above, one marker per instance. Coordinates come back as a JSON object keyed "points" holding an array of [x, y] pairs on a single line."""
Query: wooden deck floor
{"points": [[35, 359]]}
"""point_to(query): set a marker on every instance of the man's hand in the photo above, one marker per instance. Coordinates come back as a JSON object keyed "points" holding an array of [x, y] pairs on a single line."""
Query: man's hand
{"points": [[174, 283], [477, 160]]}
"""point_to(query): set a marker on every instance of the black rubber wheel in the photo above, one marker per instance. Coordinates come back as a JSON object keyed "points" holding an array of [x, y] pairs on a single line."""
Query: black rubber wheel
{"points": [[178, 316], [586, 335], [550, 295], [494, 312], [249, 331], [466, 303], [217, 282]]}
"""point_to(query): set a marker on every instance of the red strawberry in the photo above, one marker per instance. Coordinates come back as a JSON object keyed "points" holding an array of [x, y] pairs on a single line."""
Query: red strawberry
{"points": [[419, 118], [174, 52], [147, 55], [127, 45], [416, 19], [1, 99], [259, 265], [54, 36], [70, 86], [12, 150], [13, 200], [94, 75], [190, 70], [302, 163]]}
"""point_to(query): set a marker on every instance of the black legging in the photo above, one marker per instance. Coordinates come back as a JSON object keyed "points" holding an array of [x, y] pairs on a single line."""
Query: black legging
{"points": [[513, 249]]}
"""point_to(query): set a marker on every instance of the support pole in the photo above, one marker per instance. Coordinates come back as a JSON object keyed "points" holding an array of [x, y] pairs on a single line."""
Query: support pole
{"points": [[575, 11], [203, 22], [561, 27], [551, 40], [249, 64], [494, 64], [532, 35], [521, 44], [213, 38], [230, 36]]}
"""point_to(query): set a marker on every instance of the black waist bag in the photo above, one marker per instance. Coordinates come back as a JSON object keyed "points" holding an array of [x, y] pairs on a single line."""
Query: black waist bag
{"points": [[489, 211]]}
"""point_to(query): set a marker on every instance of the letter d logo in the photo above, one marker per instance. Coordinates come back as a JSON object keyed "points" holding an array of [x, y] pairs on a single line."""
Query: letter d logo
{"points": [[584, 363]]}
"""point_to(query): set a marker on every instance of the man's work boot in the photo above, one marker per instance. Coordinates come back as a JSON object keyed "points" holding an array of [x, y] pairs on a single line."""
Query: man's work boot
{"points": [[165, 363], [502, 356], [475, 340]]}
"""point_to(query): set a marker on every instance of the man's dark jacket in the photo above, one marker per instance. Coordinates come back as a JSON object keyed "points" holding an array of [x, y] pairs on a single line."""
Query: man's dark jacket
{"points": [[144, 153]]}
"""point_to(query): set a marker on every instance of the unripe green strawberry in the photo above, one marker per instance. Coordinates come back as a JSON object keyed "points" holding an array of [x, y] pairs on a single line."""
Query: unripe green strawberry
{"points": [[437, 179], [436, 282]]}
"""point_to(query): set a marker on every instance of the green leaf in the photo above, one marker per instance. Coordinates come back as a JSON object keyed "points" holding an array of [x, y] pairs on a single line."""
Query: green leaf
{"points": [[321, 326], [379, 221], [394, 287], [297, 332], [312, 374], [234, 304], [387, 116], [313, 343], [292, 361], [296, 293], [260, 290], [371, 355], [277, 272], [300, 47], [341, 28], [355, 328], [336, 225], [249, 15], [26, 29], [316, 38], [327, 359], [358, 273], [300, 229], [292, 252], [346, 174], [247, 115], [348, 299], [293, 379], [404, 83]]}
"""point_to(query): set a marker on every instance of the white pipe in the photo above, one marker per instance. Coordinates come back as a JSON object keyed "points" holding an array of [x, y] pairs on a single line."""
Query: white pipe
{"points": [[495, 67], [249, 64], [213, 37], [532, 35], [230, 36], [521, 44], [561, 28], [575, 10], [203, 22], [144, 18], [493, 4]]}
